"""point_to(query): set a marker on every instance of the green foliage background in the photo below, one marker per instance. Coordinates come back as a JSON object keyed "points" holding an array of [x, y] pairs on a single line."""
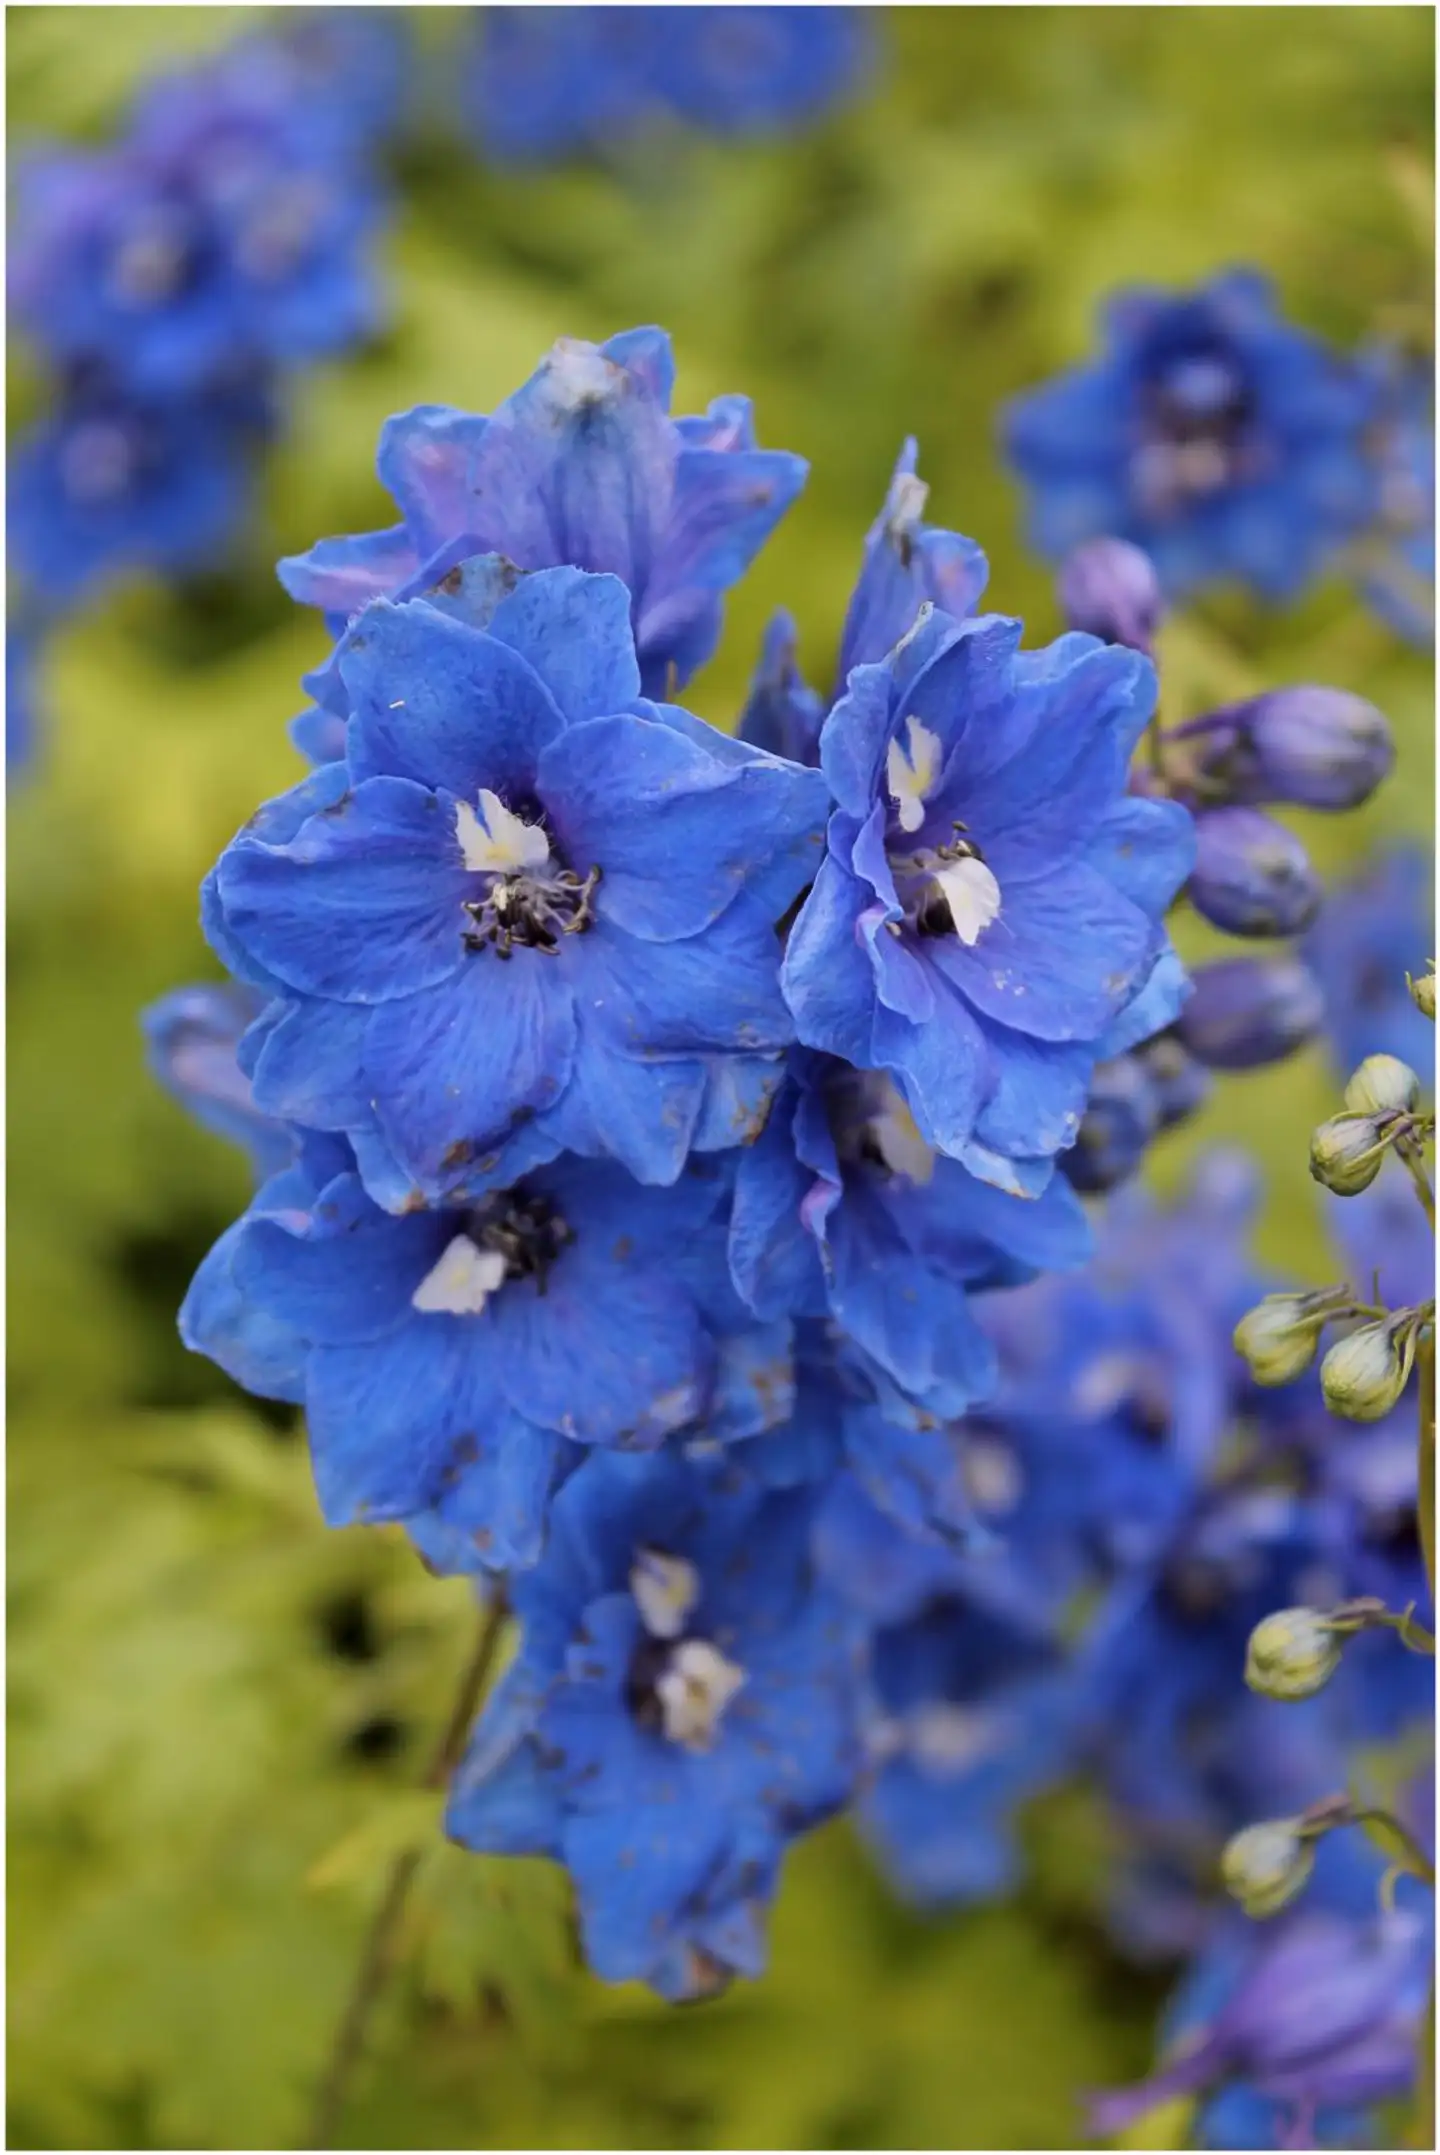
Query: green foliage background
{"points": [[216, 1708]]}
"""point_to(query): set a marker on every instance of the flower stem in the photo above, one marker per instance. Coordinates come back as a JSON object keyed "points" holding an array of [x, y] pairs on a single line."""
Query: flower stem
{"points": [[378, 1955], [1416, 1167]]}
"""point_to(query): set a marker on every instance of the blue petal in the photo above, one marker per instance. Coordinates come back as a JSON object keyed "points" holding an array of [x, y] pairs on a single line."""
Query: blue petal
{"points": [[441, 704], [388, 1419], [574, 631], [424, 461], [363, 904], [453, 1069], [826, 976], [342, 575], [678, 832]]}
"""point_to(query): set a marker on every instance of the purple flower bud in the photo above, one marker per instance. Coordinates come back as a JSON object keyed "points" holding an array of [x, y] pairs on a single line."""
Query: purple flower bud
{"points": [[1249, 1011], [1316, 747], [1121, 1116], [1252, 876], [1109, 588], [1179, 1082]]}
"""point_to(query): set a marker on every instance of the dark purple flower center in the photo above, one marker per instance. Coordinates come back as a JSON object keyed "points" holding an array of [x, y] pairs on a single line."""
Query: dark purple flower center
{"points": [[524, 1229], [1196, 420]]}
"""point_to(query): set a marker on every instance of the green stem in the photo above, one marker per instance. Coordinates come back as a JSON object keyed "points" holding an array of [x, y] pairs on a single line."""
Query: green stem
{"points": [[1415, 1167], [378, 1954]]}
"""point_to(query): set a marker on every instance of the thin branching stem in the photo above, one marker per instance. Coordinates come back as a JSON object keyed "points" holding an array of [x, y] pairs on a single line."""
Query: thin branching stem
{"points": [[377, 1957]]}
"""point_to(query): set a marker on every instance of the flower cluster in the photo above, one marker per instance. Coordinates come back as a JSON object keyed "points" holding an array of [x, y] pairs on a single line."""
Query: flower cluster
{"points": [[546, 83], [169, 282], [644, 1110], [669, 1206], [1232, 446]]}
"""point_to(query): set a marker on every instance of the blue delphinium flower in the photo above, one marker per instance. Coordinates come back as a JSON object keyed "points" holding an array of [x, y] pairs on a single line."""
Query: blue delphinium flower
{"points": [[753, 70], [454, 1361], [680, 1707], [970, 1716], [1374, 929], [191, 1038], [842, 1209], [225, 227], [528, 906], [782, 714], [105, 483], [988, 912], [585, 467], [544, 83], [1289, 2032], [1210, 432], [1396, 573]]}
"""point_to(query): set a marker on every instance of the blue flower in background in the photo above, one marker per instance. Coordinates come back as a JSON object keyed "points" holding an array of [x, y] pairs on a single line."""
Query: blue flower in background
{"points": [[751, 70], [451, 1362], [225, 228], [191, 1038], [528, 906], [1224, 442], [682, 1705], [106, 483], [782, 714], [1397, 563], [1374, 929], [582, 466], [842, 1209], [1289, 2031], [988, 913], [970, 1716], [544, 83]]}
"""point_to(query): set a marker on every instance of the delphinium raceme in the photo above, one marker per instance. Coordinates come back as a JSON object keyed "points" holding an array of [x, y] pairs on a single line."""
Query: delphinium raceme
{"points": [[659, 1128], [545, 83], [587, 1270], [170, 282]]}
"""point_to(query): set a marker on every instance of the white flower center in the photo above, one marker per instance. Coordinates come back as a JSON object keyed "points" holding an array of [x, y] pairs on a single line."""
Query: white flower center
{"points": [[501, 844], [694, 1689], [666, 1590], [897, 1137], [946, 1739], [991, 1474], [461, 1281], [972, 894], [911, 771]]}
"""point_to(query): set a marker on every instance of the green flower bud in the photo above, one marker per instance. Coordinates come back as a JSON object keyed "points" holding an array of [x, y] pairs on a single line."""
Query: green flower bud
{"points": [[1279, 1336], [1292, 1654], [1422, 993], [1364, 1374], [1383, 1085], [1346, 1154], [1263, 1867]]}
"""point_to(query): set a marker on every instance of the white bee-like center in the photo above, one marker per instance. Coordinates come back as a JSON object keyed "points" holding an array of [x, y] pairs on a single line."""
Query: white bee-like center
{"points": [[694, 1690], [500, 844], [911, 771], [461, 1281], [972, 894], [666, 1589]]}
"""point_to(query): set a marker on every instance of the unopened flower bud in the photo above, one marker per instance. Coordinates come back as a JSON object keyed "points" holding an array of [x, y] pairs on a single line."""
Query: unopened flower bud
{"points": [[1263, 1867], [1109, 588], [1318, 747], [1251, 875], [1383, 1085], [1347, 1153], [1121, 1116], [1422, 992], [1277, 1339], [1179, 1082], [1292, 1654], [1364, 1374], [1244, 1012]]}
